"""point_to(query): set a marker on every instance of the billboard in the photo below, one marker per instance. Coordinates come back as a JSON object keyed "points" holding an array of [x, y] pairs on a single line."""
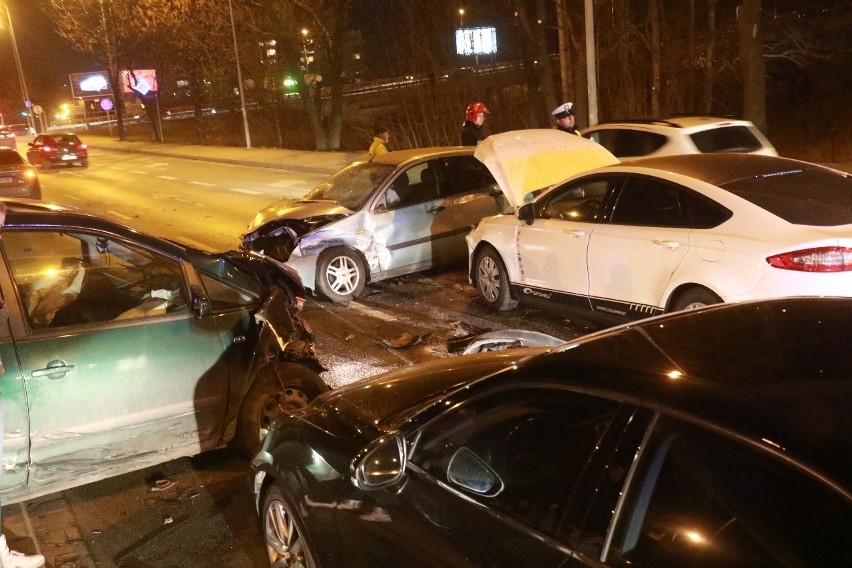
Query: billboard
{"points": [[476, 41], [141, 81], [96, 83]]}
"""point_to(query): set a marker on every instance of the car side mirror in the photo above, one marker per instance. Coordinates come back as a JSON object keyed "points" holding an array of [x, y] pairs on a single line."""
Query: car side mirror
{"points": [[200, 302], [526, 213], [380, 464]]}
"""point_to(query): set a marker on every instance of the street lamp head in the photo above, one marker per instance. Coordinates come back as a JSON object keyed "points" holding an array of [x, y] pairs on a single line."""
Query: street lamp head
{"points": [[305, 32]]}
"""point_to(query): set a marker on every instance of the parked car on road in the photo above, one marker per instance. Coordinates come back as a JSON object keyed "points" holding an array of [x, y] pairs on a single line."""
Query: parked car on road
{"points": [[47, 151], [714, 437], [630, 240], [8, 138], [632, 139], [17, 177], [399, 213], [123, 350]]}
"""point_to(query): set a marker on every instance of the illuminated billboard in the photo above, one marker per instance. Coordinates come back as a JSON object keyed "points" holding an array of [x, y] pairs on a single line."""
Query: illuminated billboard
{"points": [[94, 84], [476, 41], [142, 81]]}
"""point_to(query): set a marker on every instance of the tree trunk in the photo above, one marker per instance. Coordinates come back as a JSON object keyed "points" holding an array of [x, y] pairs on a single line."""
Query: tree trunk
{"points": [[566, 78], [709, 53], [656, 63], [751, 54]]}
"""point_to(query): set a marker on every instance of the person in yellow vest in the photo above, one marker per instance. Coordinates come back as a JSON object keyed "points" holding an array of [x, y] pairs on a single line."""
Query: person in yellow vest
{"points": [[564, 115], [381, 135]]}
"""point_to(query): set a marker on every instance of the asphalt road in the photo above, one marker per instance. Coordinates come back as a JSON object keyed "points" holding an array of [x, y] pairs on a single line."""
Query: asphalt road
{"points": [[203, 515]]}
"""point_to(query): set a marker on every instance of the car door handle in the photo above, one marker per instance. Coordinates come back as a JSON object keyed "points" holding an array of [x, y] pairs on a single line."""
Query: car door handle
{"points": [[671, 245], [56, 369], [435, 209]]}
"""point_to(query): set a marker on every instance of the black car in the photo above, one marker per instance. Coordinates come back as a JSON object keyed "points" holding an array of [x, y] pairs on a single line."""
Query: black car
{"points": [[17, 177], [49, 150], [121, 350], [714, 437]]}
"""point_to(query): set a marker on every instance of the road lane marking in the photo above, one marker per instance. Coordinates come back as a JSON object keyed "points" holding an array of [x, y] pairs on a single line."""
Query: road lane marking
{"points": [[117, 214], [115, 168], [157, 165], [246, 191], [203, 183], [170, 178]]}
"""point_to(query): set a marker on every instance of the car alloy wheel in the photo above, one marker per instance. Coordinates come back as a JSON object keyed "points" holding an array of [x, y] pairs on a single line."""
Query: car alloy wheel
{"points": [[492, 281], [284, 543], [341, 274]]}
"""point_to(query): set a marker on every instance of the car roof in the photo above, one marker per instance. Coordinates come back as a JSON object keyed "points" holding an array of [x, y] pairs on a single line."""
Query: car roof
{"points": [[776, 374], [398, 157], [692, 122], [721, 169], [25, 213]]}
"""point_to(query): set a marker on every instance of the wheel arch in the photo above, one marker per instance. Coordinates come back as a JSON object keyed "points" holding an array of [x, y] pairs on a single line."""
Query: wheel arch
{"points": [[682, 289]]}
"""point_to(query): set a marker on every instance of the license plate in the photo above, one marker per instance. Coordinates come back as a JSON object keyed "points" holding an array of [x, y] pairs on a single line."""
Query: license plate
{"points": [[69, 157], [6, 179]]}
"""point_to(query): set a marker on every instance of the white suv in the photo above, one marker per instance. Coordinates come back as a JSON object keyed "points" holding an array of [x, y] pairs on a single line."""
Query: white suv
{"points": [[632, 139]]}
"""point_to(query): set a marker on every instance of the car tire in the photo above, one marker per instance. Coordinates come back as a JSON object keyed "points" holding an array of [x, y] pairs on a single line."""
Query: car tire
{"points": [[491, 280], [282, 533], [84, 163], [341, 274], [695, 298], [278, 387]]}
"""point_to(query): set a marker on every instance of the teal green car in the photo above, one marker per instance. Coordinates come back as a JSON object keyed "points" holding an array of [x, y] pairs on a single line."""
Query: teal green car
{"points": [[121, 350]]}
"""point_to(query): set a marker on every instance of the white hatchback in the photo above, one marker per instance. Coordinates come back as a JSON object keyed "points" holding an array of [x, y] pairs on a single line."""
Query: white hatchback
{"points": [[633, 139], [630, 240]]}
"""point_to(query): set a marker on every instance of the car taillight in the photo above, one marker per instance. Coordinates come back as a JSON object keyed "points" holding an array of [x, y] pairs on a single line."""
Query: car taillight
{"points": [[48, 149], [29, 173], [82, 146], [822, 259]]}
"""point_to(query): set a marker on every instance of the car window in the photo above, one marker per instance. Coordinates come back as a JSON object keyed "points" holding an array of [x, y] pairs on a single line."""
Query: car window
{"points": [[726, 139], [352, 186], [223, 296], [651, 202], [580, 201], [421, 184], [702, 500], [67, 139], [10, 158], [536, 443], [704, 213], [464, 174], [624, 143], [800, 194], [76, 278]]}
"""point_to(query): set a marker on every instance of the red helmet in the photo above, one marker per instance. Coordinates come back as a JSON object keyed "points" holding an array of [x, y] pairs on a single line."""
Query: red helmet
{"points": [[473, 109]]}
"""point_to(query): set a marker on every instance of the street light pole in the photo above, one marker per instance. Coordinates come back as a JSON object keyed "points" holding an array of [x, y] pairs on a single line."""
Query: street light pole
{"points": [[240, 76], [27, 103]]}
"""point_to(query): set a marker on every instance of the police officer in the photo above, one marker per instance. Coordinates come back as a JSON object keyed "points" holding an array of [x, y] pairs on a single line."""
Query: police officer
{"points": [[564, 115]]}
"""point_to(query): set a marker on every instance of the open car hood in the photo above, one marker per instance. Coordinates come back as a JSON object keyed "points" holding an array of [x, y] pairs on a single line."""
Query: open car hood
{"points": [[523, 161]]}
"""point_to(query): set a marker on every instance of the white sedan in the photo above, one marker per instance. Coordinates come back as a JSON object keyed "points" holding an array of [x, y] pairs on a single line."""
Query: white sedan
{"points": [[655, 235]]}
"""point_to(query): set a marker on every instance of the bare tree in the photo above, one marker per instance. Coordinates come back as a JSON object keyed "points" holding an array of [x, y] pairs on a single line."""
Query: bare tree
{"points": [[750, 29], [190, 38], [106, 29]]}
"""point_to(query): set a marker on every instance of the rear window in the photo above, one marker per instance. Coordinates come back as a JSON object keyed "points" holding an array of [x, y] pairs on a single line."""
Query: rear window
{"points": [[623, 143], [10, 158], [806, 196], [726, 139], [67, 139]]}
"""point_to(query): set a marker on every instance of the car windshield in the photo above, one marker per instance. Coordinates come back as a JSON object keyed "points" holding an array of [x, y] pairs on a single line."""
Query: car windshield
{"points": [[802, 196], [352, 186], [10, 159]]}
